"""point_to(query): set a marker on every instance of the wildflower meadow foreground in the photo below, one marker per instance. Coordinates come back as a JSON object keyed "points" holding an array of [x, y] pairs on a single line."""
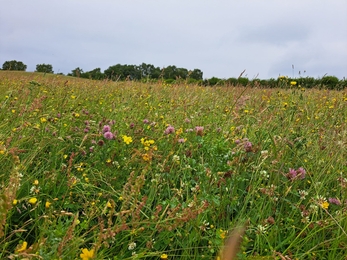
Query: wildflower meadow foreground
{"points": [[130, 170]]}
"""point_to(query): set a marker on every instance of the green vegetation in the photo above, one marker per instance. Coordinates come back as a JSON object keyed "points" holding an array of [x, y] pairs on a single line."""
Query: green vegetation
{"points": [[125, 170]]}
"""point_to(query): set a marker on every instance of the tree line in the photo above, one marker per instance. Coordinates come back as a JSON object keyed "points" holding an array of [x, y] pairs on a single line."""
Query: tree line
{"points": [[173, 74], [119, 72]]}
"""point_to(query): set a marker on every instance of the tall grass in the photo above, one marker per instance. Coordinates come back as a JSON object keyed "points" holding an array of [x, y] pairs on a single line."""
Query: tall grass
{"points": [[104, 170]]}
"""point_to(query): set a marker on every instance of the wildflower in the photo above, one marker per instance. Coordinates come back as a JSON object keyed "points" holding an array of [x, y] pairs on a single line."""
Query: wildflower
{"points": [[163, 256], [295, 174], [325, 205], [146, 157], [43, 120], [335, 201], [14, 202], [302, 194], [199, 130], [248, 146], [132, 246], [293, 83], [301, 173], [36, 182], [106, 128], [127, 139], [32, 201], [108, 204], [146, 121], [108, 135], [169, 130], [87, 254], [291, 174], [222, 233], [22, 248], [181, 140], [47, 204], [175, 158]]}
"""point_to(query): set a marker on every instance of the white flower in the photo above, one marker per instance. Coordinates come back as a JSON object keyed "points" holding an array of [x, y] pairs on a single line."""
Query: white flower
{"points": [[132, 246]]}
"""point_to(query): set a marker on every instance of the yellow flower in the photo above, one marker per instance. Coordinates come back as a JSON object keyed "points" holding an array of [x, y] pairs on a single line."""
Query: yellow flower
{"points": [[47, 204], [163, 256], [325, 205], [87, 254], [36, 182], [108, 204], [127, 139], [22, 248], [293, 83], [222, 233], [43, 120], [146, 157], [14, 202], [32, 201]]}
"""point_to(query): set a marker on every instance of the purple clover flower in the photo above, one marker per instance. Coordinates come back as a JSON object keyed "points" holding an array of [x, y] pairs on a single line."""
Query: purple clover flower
{"points": [[169, 130], [334, 201], [199, 130], [181, 140], [106, 129], [108, 135], [248, 146], [301, 173]]}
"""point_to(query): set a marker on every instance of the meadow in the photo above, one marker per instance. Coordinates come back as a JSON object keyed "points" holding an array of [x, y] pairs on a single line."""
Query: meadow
{"points": [[130, 170]]}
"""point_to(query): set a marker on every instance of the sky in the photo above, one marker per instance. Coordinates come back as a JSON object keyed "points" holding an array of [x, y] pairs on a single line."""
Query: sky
{"points": [[295, 38]]}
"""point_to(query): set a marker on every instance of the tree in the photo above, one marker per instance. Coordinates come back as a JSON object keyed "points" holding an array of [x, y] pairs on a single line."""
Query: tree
{"points": [[76, 72], [14, 65], [93, 74], [196, 74], [46, 68]]}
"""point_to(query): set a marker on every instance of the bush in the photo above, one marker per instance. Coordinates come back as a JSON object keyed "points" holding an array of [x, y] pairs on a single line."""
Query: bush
{"points": [[329, 82]]}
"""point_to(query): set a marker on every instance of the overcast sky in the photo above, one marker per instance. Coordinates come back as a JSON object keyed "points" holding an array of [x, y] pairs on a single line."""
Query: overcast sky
{"points": [[219, 37]]}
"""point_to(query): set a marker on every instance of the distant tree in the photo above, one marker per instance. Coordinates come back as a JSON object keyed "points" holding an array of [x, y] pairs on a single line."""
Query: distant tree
{"points": [[170, 72], [76, 72], [149, 71], [196, 74], [93, 74], [181, 73], [114, 72], [14, 65], [46, 68]]}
